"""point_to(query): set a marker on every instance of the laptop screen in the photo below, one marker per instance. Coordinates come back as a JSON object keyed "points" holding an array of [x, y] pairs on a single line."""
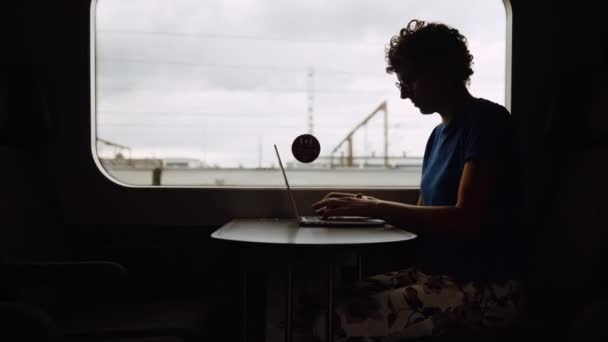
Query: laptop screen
{"points": [[293, 202]]}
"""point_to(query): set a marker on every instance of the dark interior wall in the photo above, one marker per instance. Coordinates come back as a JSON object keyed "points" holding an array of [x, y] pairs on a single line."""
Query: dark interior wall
{"points": [[28, 208]]}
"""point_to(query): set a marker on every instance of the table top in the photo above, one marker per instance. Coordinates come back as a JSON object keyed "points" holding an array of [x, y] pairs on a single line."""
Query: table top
{"points": [[288, 232]]}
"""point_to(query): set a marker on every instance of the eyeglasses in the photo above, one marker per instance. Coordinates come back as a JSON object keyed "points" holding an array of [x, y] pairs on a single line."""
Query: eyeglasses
{"points": [[404, 83], [403, 86]]}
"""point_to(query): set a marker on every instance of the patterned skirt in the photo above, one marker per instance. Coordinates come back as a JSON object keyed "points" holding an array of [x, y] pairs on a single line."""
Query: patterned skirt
{"points": [[410, 304]]}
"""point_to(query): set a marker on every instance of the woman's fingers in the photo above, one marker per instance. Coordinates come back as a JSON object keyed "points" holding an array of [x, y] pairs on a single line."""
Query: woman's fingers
{"points": [[319, 205], [325, 202], [335, 195], [335, 206], [357, 204], [337, 211]]}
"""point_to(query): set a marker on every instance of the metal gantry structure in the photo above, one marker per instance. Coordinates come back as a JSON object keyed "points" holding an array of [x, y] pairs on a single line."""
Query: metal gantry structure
{"points": [[118, 148], [348, 140]]}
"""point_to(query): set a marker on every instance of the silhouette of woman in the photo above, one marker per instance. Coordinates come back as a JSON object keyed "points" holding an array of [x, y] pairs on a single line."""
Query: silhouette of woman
{"points": [[469, 273]]}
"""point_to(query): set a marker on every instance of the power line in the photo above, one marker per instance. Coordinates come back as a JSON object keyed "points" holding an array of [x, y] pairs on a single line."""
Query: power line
{"points": [[215, 114], [197, 127], [234, 66], [206, 35], [191, 125], [274, 90]]}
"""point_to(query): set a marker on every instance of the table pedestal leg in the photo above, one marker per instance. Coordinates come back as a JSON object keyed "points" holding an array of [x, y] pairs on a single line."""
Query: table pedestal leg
{"points": [[330, 301], [244, 316], [359, 267], [289, 304]]}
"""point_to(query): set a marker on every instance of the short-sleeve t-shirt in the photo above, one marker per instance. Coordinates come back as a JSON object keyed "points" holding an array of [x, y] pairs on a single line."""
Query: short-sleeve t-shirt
{"points": [[482, 131]]}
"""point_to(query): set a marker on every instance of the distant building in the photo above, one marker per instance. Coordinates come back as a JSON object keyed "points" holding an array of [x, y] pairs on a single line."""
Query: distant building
{"points": [[122, 163], [181, 163], [152, 163]]}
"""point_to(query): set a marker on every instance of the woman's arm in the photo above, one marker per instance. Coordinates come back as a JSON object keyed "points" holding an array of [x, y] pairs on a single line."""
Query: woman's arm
{"points": [[475, 192]]}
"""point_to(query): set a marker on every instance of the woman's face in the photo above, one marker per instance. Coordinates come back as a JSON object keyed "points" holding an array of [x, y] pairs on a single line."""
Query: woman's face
{"points": [[423, 88]]}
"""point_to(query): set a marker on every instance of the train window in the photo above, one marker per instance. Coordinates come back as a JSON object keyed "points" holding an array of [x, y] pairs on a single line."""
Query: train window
{"points": [[195, 93]]}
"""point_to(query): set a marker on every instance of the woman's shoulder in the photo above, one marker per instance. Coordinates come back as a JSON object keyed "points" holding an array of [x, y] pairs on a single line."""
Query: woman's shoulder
{"points": [[486, 114], [485, 108]]}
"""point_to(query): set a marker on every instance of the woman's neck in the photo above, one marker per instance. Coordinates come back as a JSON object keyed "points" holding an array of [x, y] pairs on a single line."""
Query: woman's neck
{"points": [[455, 103]]}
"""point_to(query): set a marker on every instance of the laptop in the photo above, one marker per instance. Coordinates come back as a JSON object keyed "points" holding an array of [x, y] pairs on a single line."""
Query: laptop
{"points": [[332, 221]]}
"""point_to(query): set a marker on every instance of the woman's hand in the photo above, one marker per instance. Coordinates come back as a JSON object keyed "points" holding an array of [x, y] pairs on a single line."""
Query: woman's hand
{"points": [[346, 194], [346, 204]]}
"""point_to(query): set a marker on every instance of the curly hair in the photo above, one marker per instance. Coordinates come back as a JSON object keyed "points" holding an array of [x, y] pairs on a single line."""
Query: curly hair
{"points": [[430, 47]]}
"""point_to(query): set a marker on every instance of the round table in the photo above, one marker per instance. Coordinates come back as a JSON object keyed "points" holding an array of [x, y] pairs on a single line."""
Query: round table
{"points": [[287, 232]]}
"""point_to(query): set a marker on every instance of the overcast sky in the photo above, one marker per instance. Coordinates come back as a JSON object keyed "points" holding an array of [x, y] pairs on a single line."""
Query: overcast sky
{"points": [[217, 79]]}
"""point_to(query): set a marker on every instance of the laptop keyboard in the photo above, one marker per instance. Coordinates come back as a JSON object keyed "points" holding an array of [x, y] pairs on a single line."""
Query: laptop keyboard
{"points": [[316, 219]]}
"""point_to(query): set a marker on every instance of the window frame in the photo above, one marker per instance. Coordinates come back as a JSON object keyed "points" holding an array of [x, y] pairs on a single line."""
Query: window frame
{"points": [[388, 192]]}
